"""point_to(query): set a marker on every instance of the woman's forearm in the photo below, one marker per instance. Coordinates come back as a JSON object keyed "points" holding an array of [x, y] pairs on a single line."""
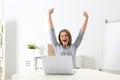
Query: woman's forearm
{"points": [[83, 28], [50, 18], [50, 21]]}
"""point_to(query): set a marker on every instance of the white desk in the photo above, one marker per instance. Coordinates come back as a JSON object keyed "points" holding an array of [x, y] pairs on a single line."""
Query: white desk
{"points": [[81, 74]]}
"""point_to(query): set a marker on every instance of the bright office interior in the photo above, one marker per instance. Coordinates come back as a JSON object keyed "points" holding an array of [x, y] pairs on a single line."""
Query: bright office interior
{"points": [[26, 22]]}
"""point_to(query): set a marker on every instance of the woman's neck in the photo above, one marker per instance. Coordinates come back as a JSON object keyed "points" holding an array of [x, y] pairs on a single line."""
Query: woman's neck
{"points": [[65, 45]]}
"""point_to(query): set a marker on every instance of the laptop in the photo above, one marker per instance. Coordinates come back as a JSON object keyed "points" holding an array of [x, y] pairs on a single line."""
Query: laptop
{"points": [[57, 65]]}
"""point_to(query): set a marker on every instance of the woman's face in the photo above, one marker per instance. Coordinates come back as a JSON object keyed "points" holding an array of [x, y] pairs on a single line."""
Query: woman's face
{"points": [[64, 38]]}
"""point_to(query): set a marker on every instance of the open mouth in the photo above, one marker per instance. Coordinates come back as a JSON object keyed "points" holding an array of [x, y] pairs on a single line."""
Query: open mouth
{"points": [[64, 40]]}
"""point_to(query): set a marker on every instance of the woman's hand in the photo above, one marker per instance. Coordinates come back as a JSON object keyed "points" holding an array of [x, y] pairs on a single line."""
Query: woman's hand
{"points": [[85, 14], [51, 11]]}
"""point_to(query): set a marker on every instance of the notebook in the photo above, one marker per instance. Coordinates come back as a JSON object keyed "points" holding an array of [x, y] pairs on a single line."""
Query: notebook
{"points": [[58, 65]]}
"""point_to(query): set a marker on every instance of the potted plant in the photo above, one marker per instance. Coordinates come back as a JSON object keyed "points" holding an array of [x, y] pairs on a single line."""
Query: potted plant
{"points": [[34, 48]]}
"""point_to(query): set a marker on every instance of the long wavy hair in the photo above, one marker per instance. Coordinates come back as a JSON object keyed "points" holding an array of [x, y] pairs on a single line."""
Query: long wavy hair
{"points": [[69, 36]]}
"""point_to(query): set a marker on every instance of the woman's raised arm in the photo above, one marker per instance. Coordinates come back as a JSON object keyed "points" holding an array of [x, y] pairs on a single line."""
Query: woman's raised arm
{"points": [[51, 25], [83, 28]]}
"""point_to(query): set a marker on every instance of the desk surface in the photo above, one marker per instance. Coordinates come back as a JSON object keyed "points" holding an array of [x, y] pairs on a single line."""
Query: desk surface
{"points": [[81, 74]]}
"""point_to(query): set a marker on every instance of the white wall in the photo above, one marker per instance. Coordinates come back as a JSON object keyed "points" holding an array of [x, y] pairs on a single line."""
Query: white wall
{"points": [[1, 10], [31, 16]]}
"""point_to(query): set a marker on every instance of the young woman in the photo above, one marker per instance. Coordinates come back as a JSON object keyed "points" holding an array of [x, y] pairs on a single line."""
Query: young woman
{"points": [[65, 46]]}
